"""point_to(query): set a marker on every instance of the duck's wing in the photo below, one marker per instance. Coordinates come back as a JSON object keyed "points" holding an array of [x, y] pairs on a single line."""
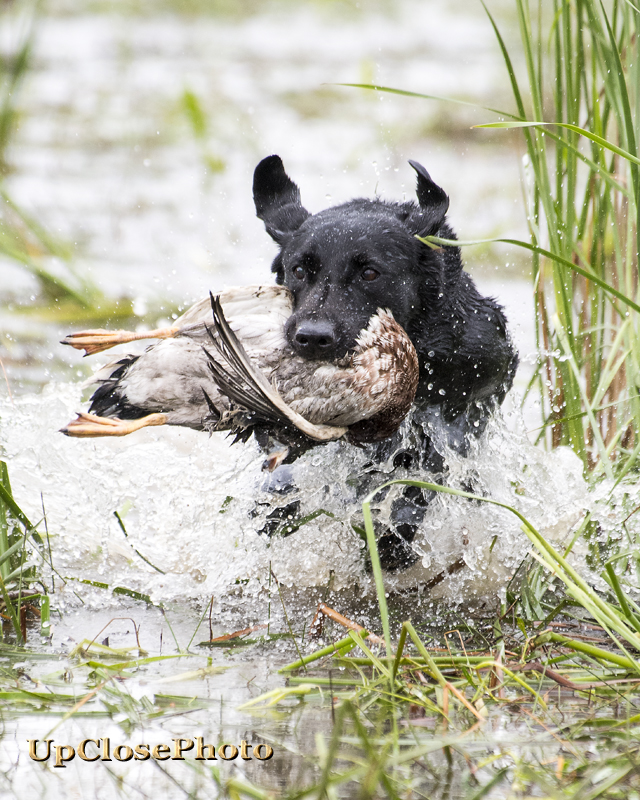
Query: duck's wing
{"points": [[256, 313], [246, 386]]}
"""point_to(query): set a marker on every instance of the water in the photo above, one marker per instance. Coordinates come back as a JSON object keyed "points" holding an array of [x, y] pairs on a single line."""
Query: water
{"points": [[194, 506], [189, 504], [106, 159], [182, 704]]}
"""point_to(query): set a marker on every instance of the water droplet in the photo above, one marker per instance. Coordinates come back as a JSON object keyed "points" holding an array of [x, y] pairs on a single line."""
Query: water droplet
{"points": [[139, 306]]}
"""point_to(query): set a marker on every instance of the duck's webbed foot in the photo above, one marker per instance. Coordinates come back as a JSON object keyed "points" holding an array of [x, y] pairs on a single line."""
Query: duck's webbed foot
{"points": [[89, 425], [95, 341]]}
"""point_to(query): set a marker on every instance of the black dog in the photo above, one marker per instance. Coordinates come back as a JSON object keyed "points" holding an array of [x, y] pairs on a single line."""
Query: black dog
{"points": [[344, 263]]}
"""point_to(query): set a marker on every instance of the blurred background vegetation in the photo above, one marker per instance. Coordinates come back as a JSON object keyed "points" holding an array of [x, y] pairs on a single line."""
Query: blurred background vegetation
{"points": [[130, 133]]}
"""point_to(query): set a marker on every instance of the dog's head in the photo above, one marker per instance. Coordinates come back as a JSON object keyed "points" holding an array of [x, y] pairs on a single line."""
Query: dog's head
{"points": [[344, 263]]}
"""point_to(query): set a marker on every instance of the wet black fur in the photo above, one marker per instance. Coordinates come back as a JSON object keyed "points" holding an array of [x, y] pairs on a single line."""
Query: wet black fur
{"points": [[467, 361], [466, 357]]}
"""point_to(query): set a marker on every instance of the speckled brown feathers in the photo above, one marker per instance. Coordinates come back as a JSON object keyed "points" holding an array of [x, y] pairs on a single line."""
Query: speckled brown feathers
{"points": [[386, 372], [375, 384]]}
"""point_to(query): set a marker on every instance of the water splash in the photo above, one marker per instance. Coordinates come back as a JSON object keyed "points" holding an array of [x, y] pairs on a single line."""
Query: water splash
{"points": [[193, 507], [547, 488]]}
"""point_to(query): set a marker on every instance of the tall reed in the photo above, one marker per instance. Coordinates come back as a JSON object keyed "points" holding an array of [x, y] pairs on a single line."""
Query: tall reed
{"points": [[579, 117], [583, 192]]}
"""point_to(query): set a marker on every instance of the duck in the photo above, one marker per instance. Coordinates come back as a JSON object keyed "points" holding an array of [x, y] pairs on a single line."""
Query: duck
{"points": [[225, 365]]}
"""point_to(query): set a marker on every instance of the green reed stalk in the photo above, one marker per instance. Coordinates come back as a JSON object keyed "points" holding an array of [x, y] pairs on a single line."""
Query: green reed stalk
{"points": [[577, 108], [578, 115]]}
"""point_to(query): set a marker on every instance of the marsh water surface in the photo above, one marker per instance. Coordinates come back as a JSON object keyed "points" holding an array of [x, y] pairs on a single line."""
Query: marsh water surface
{"points": [[137, 138]]}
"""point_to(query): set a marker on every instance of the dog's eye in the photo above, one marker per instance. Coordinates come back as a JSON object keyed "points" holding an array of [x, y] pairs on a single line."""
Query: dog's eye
{"points": [[370, 274], [298, 272]]}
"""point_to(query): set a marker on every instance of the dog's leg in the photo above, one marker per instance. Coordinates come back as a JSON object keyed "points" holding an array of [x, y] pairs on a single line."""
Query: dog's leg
{"points": [[411, 455]]}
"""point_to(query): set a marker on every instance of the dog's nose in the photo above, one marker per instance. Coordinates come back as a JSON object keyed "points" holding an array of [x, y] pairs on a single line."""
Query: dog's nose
{"points": [[315, 339]]}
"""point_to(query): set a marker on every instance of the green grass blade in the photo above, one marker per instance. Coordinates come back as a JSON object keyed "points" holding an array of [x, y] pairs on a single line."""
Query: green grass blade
{"points": [[377, 569], [405, 93], [435, 240], [603, 612], [599, 140]]}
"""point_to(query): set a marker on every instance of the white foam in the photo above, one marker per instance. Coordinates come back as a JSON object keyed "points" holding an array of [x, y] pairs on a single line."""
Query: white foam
{"points": [[170, 485]]}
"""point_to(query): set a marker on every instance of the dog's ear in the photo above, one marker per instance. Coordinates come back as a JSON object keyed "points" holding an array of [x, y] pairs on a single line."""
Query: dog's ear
{"points": [[433, 201], [277, 199]]}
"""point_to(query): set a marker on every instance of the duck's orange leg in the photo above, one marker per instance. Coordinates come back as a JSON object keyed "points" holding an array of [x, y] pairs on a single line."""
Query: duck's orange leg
{"points": [[95, 341], [89, 425]]}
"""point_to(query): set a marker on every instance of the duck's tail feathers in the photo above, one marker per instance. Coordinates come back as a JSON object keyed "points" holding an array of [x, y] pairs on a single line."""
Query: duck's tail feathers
{"points": [[110, 398], [246, 386], [242, 383]]}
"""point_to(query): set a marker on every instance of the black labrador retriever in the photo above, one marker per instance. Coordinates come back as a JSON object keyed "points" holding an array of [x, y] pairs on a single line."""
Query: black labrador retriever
{"points": [[347, 261]]}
